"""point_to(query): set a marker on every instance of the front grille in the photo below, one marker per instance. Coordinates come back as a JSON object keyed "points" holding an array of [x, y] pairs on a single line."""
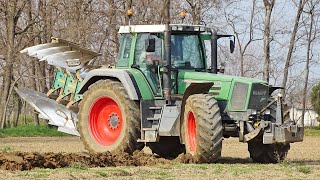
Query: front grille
{"points": [[239, 96], [259, 96]]}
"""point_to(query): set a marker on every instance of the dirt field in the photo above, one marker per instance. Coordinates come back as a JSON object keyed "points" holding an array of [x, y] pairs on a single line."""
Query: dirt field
{"points": [[303, 162]]}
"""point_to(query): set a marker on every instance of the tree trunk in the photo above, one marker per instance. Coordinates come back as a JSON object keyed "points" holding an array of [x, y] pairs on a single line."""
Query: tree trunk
{"points": [[310, 40], [45, 39], [8, 68], [114, 23], [266, 38], [291, 46], [241, 63], [18, 109], [197, 16], [195, 11], [34, 62]]}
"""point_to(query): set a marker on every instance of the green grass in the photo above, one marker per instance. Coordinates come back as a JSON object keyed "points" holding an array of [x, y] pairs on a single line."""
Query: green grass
{"points": [[29, 120], [6, 148], [79, 166], [285, 170], [304, 169], [30, 131], [314, 131], [27, 128]]}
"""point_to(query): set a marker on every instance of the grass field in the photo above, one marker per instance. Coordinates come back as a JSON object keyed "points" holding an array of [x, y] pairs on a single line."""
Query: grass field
{"points": [[30, 131], [314, 131], [286, 170]]}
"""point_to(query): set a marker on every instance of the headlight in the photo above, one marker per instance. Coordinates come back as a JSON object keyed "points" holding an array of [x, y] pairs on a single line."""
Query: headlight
{"points": [[239, 96]]}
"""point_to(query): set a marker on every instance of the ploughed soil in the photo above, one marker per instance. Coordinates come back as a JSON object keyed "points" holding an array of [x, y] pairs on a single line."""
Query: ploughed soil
{"points": [[57, 152], [30, 160]]}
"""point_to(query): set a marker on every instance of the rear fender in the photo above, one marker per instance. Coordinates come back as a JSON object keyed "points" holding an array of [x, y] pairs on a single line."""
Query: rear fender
{"points": [[120, 75]]}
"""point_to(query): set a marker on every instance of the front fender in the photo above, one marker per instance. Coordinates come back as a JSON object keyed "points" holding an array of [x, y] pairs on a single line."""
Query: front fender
{"points": [[195, 87]]}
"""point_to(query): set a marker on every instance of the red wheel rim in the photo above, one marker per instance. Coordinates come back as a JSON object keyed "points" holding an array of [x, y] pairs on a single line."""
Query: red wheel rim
{"points": [[192, 132], [105, 121]]}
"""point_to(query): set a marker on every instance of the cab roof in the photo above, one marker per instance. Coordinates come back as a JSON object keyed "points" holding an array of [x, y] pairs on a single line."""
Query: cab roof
{"points": [[160, 28]]}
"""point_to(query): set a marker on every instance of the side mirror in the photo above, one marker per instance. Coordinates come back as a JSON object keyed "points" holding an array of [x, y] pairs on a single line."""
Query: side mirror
{"points": [[232, 46], [150, 45]]}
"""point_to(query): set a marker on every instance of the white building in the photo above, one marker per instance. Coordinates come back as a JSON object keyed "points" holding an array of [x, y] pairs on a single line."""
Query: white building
{"points": [[311, 118]]}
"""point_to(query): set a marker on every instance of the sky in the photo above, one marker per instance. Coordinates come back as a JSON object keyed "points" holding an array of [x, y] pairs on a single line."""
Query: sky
{"points": [[282, 24]]}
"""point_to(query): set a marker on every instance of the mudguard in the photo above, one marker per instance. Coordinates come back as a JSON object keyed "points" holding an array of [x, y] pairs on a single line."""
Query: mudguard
{"points": [[117, 74], [195, 87]]}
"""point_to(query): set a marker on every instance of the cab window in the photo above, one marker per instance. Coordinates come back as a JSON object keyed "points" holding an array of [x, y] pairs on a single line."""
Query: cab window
{"points": [[124, 51]]}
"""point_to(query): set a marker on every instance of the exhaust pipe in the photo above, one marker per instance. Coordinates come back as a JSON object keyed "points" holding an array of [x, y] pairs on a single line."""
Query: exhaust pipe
{"points": [[214, 51], [167, 56]]}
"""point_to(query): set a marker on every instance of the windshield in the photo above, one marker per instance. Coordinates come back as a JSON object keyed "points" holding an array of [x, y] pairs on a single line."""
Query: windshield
{"points": [[186, 52]]}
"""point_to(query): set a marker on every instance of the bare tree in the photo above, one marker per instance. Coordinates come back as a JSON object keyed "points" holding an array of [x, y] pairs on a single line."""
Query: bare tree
{"points": [[311, 33], [231, 20], [198, 9], [94, 24], [195, 10], [292, 45], [12, 15]]}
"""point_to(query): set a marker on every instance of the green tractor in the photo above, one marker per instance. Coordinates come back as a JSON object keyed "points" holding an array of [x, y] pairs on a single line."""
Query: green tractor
{"points": [[161, 93]]}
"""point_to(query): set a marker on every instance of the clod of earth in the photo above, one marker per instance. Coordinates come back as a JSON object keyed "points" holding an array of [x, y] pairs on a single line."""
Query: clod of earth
{"points": [[26, 161]]}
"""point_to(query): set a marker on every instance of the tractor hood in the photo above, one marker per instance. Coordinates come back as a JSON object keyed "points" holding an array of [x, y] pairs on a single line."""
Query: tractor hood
{"points": [[222, 83], [192, 75]]}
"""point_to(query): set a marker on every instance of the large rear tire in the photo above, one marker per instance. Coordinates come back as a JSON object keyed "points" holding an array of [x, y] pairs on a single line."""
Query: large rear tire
{"points": [[202, 128], [108, 119], [270, 153]]}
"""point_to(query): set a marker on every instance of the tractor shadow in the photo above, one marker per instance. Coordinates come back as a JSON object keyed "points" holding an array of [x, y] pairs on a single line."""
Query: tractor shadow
{"points": [[304, 162], [233, 160]]}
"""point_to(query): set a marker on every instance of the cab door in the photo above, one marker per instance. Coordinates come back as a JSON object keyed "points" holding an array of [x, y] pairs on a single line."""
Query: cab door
{"points": [[148, 61]]}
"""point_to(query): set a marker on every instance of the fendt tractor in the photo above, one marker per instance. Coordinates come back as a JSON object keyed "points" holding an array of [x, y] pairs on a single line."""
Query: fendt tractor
{"points": [[162, 94]]}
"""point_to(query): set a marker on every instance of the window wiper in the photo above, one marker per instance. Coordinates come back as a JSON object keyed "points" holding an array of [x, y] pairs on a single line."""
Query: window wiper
{"points": [[135, 66], [199, 70]]}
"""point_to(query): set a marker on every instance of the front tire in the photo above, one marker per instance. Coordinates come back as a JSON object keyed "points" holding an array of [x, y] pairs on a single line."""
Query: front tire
{"points": [[108, 119], [202, 127], [270, 153], [267, 153]]}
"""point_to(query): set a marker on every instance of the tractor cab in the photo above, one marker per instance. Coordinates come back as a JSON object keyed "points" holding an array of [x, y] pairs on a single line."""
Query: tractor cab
{"points": [[142, 48]]}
